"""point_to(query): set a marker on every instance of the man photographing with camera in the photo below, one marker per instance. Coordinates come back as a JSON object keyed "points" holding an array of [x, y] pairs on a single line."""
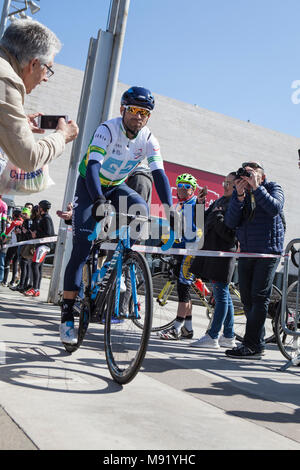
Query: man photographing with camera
{"points": [[27, 51], [255, 211]]}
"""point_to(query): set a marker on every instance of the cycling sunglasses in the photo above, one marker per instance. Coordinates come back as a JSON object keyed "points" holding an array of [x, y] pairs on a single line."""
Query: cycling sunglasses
{"points": [[136, 110], [185, 185]]}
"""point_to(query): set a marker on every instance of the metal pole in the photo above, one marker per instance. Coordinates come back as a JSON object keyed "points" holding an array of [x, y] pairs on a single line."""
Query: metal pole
{"points": [[4, 16], [119, 35], [96, 101]]}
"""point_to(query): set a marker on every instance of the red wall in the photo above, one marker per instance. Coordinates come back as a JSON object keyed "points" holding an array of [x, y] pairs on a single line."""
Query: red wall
{"points": [[204, 178]]}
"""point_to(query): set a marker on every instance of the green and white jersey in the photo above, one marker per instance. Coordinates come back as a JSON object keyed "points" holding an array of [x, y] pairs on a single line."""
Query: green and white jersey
{"points": [[119, 155]]}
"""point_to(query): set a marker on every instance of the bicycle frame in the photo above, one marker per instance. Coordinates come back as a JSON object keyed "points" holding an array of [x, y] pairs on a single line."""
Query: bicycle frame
{"points": [[100, 279], [296, 360]]}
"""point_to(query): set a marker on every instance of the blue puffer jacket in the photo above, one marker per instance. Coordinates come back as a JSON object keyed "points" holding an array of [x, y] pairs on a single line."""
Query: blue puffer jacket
{"points": [[264, 232]]}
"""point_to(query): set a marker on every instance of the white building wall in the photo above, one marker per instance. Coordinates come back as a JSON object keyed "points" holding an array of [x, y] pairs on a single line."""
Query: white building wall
{"points": [[188, 135]]}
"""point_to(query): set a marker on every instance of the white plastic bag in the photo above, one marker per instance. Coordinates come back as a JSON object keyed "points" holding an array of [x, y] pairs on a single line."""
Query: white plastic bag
{"points": [[3, 161], [13, 180]]}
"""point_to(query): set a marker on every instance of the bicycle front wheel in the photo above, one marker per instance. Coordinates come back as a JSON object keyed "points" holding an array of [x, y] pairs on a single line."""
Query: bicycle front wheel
{"points": [[125, 342], [288, 345]]}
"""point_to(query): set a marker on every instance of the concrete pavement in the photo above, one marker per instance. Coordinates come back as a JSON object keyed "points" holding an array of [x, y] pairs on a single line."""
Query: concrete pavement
{"points": [[184, 398]]}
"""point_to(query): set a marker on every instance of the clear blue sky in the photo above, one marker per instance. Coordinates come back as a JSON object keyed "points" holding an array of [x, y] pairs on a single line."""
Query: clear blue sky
{"points": [[235, 57]]}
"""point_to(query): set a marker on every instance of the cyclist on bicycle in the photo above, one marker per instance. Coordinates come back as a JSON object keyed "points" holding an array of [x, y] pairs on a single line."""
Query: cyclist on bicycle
{"points": [[116, 148], [186, 206]]}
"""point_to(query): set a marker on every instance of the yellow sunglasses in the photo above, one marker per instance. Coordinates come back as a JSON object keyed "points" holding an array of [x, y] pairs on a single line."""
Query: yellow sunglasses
{"points": [[136, 110]]}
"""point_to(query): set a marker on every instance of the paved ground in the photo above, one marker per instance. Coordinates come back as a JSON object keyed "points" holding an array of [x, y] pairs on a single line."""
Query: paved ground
{"points": [[184, 398]]}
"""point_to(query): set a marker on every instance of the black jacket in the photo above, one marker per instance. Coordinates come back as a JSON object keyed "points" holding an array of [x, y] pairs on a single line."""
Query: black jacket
{"points": [[45, 228], [217, 237]]}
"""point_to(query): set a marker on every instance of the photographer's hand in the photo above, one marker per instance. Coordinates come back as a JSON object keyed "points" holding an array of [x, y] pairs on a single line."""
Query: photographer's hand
{"points": [[240, 185], [33, 123], [253, 180], [69, 129]]}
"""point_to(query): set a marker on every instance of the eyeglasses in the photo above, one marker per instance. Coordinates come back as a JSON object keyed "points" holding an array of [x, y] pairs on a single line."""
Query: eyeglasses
{"points": [[227, 183], [49, 71], [136, 110], [184, 185], [253, 165]]}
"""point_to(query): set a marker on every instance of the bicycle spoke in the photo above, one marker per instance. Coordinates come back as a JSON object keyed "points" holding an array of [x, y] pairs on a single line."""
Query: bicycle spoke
{"points": [[125, 341], [289, 345]]}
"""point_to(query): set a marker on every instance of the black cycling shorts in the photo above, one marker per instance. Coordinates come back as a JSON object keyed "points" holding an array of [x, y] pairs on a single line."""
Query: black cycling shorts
{"points": [[183, 291]]}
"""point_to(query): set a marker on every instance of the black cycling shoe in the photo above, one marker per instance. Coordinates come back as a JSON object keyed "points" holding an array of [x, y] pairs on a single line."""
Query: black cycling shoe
{"points": [[243, 352]]}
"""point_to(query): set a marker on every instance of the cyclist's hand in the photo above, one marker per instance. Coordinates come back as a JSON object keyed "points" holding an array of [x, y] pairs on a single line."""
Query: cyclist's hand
{"points": [[99, 208], [202, 195]]}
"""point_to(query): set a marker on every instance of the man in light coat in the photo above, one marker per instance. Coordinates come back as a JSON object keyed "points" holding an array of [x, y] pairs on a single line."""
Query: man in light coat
{"points": [[27, 51]]}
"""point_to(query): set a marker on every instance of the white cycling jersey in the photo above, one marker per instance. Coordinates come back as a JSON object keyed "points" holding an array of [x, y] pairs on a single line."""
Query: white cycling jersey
{"points": [[119, 155]]}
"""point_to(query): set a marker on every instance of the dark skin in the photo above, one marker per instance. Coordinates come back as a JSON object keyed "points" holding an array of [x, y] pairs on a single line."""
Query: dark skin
{"points": [[133, 122]]}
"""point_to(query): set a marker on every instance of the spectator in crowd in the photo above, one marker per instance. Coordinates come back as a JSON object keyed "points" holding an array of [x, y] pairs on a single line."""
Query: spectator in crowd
{"points": [[3, 222], [24, 259], [27, 51], [13, 230], [255, 212], [218, 237], [45, 228], [29, 205], [186, 187]]}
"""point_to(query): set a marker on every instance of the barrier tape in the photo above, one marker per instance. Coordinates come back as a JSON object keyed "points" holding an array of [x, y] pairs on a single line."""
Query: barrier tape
{"points": [[158, 250], [34, 241], [185, 251]]}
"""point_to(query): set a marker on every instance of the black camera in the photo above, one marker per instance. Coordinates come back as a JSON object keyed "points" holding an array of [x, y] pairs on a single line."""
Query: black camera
{"points": [[242, 172]]}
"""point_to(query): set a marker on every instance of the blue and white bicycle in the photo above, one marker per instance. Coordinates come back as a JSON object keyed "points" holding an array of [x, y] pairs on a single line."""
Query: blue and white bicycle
{"points": [[118, 294]]}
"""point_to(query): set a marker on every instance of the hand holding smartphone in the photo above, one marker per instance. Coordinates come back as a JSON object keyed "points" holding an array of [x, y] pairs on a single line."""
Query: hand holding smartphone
{"points": [[47, 121]]}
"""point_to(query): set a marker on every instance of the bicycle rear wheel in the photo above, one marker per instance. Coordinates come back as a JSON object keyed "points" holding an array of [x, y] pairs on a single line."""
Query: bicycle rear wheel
{"points": [[288, 344], [125, 342], [240, 317], [163, 304]]}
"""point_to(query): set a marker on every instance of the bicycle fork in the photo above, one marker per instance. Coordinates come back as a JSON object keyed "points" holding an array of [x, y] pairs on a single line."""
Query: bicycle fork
{"points": [[166, 291], [131, 290]]}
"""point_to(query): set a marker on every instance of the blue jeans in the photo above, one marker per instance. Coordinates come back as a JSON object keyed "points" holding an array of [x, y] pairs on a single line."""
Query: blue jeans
{"points": [[2, 263], [255, 280], [223, 313]]}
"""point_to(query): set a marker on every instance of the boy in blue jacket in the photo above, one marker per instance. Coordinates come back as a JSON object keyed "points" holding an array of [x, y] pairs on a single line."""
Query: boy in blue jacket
{"points": [[255, 211]]}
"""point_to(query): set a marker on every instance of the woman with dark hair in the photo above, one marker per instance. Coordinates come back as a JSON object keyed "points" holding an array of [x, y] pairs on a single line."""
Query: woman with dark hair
{"points": [[44, 228]]}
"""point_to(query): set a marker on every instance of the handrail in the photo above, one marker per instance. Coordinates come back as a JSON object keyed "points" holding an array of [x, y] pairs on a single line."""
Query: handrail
{"points": [[285, 328]]}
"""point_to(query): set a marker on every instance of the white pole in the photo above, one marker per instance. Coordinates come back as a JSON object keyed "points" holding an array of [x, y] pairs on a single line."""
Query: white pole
{"points": [[119, 35], [4, 16], [96, 101]]}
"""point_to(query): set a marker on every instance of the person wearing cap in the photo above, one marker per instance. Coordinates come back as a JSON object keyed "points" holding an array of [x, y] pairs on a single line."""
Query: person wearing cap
{"points": [[255, 211], [27, 51], [45, 229], [186, 207], [116, 148]]}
